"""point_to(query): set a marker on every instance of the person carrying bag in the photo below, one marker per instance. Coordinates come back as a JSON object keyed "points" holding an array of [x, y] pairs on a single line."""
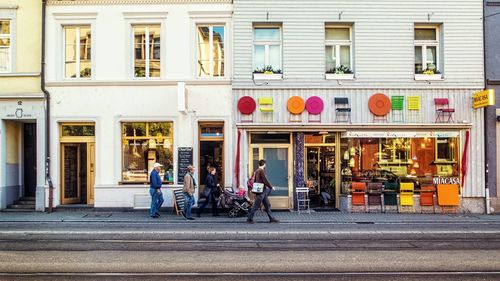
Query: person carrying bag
{"points": [[261, 187]]}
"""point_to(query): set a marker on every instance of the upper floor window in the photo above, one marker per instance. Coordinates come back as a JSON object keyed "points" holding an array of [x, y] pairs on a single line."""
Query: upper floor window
{"points": [[77, 52], [426, 43], [5, 46], [338, 49], [210, 50], [147, 50], [267, 49]]}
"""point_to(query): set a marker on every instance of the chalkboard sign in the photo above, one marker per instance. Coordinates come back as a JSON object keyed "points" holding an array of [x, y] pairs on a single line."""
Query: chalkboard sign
{"points": [[184, 159]]}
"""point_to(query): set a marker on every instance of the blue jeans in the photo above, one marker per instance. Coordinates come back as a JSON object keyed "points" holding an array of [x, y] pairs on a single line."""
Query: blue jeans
{"points": [[188, 205], [156, 201]]}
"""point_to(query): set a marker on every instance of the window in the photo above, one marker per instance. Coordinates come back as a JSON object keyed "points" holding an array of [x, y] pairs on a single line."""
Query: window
{"points": [[426, 50], [143, 144], [338, 50], [267, 49], [77, 58], [147, 51], [78, 130], [5, 46], [210, 50]]}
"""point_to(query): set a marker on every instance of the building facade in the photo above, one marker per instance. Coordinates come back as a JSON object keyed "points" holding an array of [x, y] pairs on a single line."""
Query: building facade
{"points": [[337, 95], [492, 23], [22, 137], [133, 83]]}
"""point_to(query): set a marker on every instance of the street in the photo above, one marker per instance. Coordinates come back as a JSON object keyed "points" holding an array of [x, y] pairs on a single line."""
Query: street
{"points": [[364, 246]]}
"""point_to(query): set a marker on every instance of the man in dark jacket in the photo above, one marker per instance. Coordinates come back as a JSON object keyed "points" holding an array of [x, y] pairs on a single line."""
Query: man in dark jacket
{"points": [[260, 177], [155, 191]]}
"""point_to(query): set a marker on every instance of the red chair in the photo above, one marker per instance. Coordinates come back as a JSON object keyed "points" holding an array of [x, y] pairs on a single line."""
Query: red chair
{"points": [[428, 197], [375, 194], [443, 110], [358, 191]]}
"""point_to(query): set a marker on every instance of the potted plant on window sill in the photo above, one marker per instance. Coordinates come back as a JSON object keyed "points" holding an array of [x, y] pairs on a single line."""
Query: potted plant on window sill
{"points": [[429, 75], [267, 73], [340, 73]]}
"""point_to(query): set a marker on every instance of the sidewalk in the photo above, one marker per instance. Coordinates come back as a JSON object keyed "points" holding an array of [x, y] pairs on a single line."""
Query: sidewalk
{"points": [[285, 217]]}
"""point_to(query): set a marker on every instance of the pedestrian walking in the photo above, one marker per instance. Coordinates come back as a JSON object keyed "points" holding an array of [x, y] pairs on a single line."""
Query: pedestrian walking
{"points": [[189, 188], [155, 191], [210, 193], [263, 197]]}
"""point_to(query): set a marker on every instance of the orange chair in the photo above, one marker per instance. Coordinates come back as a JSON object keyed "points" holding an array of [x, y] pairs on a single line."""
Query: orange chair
{"points": [[428, 197], [448, 196], [358, 191]]}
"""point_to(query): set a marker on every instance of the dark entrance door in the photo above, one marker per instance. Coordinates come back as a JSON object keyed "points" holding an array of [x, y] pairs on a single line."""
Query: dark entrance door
{"points": [[29, 173]]}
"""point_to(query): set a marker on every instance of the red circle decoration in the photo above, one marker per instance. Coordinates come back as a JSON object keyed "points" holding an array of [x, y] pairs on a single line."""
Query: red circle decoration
{"points": [[246, 105], [296, 105], [314, 105], [379, 104]]}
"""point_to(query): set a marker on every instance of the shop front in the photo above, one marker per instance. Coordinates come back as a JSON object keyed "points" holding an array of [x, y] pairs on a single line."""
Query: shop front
{"points": [[330, 157]]}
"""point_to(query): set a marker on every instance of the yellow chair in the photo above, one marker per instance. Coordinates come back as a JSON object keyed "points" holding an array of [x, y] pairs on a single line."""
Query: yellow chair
{"points": [[407, 189], [414, 109], [266, 108]]}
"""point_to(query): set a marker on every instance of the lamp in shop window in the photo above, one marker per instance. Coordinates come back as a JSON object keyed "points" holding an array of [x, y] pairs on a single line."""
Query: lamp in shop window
{"points": [[352, 163], [352, 150], [166, 143], [152, 144], [346, 155]]}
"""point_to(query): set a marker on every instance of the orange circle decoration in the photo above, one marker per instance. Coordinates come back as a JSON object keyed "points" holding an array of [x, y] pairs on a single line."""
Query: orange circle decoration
{"points": [[379, 104], [296, 105]]}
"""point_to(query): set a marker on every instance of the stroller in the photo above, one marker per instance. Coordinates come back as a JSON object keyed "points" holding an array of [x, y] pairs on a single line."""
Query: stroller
{"points": [[237, 202]]}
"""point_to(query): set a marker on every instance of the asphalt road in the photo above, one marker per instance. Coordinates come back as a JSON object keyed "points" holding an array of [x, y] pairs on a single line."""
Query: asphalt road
{"points": [[225, 251]]}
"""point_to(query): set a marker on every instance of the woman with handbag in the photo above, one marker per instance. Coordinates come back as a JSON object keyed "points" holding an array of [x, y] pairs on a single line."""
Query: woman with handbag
{"points": [[261, 189], [210, 193]]}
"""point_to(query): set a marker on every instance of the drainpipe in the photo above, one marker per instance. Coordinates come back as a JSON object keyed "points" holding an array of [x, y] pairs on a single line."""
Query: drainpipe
{"points": [[46, 95], [485, 120]]}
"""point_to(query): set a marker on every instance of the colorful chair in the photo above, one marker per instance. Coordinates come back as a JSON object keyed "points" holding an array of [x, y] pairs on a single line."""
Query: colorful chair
{"points": [[444, 114], [448, 197], [406, 191], [342, 109], [358, 191], [427, 197], [375, 195], [397, 107], [266, 109], [390, 193], [414, 109], [246, 107], [379, 105], [296, 106], [314, 105]]}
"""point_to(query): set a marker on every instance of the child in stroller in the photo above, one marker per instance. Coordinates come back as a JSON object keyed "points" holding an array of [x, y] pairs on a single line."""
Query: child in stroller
{"points": [[236, 201]]}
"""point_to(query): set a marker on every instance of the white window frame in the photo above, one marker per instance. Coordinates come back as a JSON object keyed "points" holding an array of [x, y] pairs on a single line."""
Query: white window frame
{"points": [[428, 43], [266, 44], [210, 41], [147, 58], [340, 43], [10, 48], [77, 43], [9, 13]]}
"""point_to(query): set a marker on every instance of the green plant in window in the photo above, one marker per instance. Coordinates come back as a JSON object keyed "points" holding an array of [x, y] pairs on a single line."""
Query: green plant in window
{"points": [[161, 129], [267, 70], [343, 69], [429, 71], [86, 72]]}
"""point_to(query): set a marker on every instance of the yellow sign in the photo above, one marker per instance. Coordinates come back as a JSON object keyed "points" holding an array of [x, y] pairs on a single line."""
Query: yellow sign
{"points": [[483, 98]]}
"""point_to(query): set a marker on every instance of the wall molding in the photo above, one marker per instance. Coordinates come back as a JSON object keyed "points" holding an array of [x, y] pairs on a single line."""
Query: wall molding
{"points": [[122, 2]]}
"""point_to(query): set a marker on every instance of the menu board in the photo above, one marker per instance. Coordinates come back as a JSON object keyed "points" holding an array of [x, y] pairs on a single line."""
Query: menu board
{"points": [[184, 159]]}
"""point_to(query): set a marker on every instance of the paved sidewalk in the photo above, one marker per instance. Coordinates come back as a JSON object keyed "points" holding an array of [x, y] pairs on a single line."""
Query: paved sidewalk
{"points": [[285, 217]]}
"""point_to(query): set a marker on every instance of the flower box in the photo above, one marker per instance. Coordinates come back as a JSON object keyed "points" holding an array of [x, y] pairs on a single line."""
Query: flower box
{"points": [[332, 76], [262, 76], [428, 77]]}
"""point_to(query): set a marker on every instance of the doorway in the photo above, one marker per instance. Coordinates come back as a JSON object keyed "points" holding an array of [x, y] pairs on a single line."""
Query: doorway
{"points": [[29, 163], [211, 152], [77, 164]]}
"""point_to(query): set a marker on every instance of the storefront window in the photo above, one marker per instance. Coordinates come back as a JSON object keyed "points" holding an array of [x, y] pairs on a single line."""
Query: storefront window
{"points": [[398, 159], [143, 144]]}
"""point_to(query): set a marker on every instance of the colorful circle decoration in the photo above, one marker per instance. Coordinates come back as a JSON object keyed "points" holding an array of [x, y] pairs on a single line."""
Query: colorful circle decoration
{"points": [[246, 105], [314, 105], [379, 104], [296, 105]]}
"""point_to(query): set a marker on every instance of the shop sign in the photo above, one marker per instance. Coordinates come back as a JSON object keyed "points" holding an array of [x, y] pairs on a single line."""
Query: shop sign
{"points": [[378, 134], [184, 159], [450, 180], [483, 98], [18, 111]]}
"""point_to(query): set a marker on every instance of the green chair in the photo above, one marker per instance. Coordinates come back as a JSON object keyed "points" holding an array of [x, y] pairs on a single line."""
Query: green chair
{"points": [[390, 192], [397, 107]]}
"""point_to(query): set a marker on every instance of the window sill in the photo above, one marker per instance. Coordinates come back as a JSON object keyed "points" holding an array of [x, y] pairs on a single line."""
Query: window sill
{"points": [[262, 76], [19, 74], [427, 77], [330, 76]]}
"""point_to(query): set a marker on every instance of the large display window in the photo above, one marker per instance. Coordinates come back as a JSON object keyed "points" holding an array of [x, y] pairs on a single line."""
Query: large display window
{"points": [[143, 144]]}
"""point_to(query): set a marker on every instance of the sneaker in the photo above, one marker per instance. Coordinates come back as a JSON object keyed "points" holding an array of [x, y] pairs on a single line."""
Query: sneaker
{"points": [[250, 221], [274, 221], [155, 216], [158, 214], [190, 219], [184, 215]]}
